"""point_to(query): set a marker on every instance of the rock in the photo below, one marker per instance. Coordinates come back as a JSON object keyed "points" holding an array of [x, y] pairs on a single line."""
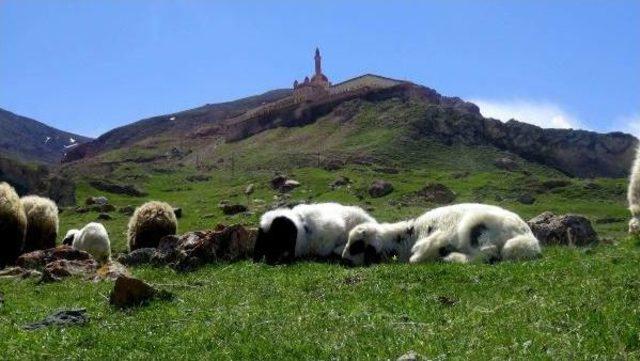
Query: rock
{"points": [[61, 318], [436, 193], [178, 212], [101, 200], [411, 356], [127, 210], [104, 217], [62, 268], [568, 229], [18, 273], [193, 249], [129, 292], [380, 188], [332, 164], [278, 181], [39, 259], [110, 271], [340, 181], [506, 163], [231, 209], [137, 257], [289, 185], [127, 189], [249, 190], [526, 198]]}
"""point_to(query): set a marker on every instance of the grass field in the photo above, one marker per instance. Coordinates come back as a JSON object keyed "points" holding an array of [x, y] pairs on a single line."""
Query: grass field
{"points": [[571, 304]]}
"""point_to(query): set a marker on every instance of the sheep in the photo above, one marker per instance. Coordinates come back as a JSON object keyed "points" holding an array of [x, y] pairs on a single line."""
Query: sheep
{"points": [[633, 195], [307, 230], [149, 223], [70, 236], [457, 233], [13, 225], [42, 223], [93, 239]]}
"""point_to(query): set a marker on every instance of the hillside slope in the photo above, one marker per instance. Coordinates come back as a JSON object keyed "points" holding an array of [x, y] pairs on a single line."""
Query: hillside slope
{"points": [[32, 141], [394, 126]]}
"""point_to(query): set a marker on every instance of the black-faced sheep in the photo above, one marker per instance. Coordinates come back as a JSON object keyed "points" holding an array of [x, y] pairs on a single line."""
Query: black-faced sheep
{"points": [[633, 195], [456, 233], [307, 230], [42, 223], [149, 223], [13, 225], [93, 239]]}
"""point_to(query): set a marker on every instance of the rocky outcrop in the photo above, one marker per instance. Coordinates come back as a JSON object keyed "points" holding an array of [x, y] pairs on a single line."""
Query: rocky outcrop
{"points": [[436, 193], [126, 189]]}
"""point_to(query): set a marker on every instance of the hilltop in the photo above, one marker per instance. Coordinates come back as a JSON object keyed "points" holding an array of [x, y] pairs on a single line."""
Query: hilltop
{"points": [[29, 140]]}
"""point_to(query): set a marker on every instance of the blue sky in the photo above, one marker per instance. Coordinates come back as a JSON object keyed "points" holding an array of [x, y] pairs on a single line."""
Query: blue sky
{"points": [[90, 66]]}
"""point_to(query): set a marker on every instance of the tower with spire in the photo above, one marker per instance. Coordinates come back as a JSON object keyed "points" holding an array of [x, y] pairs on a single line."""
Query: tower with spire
{"points": [[316, 86]]}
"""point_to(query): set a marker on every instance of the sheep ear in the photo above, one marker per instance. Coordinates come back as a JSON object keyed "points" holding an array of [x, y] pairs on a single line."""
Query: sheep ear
{"points": [[410, 230]]}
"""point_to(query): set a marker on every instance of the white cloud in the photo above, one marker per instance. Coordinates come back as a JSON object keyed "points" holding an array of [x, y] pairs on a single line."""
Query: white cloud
{"points": [[540, 113], [630, 124]]}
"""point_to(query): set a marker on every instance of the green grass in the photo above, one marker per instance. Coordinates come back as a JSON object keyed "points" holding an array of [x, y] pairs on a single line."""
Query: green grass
{"points": [[570, 304]]}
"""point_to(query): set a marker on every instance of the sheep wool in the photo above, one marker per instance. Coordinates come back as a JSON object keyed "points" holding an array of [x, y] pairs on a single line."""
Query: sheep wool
{"points": [[633, 195], [42, 223], [93, 239], [456, 233], [13, 225], [307, 230], [149, 223]]}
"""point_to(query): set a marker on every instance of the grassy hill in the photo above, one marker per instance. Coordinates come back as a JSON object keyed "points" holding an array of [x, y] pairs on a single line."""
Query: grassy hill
{"points": [[570, 304]]}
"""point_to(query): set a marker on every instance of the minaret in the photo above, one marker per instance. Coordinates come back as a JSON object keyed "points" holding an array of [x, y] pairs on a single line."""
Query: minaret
{"points": [[318, 59]]}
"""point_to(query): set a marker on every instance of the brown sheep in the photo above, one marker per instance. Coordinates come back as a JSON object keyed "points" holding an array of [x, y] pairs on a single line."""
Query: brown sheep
{"points": [[13, 225], [149, 223], [42, 223]]}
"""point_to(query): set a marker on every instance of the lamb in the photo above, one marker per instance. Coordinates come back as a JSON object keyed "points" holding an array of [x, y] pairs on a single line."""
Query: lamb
{"points": [[633, 195], [93, 239], [13, 225], [456, 233], [42, 223], [149, 223], [307, 230]]}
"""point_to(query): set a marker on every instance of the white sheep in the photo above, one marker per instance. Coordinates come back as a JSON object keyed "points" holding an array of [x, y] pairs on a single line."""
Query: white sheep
{"points": [[633, 195], [93, 239], [42, 223], [13, 225], [456, 233], [307, 230], [149, 223]]}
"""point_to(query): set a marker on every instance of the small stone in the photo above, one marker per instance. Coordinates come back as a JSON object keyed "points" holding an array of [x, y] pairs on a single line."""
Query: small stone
{"points": [[96, 200], [231, 209], [411, 356], [111, 271], [526, 198], [278, 181], [129, 292], [340, 181], [436, 193], [178, 212], [289, 185], [136, 257], [380, 188], [127, 210], [62, 268], [249, 190], [61, 318]]}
